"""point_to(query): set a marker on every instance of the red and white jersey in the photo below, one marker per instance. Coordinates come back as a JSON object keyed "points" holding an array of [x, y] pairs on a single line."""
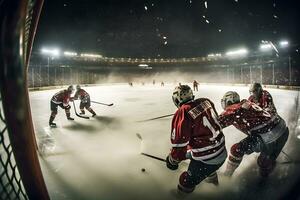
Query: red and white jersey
{"points": [[248, 118], [81, 94], [62, 96], [265, 102], [195, 128]]}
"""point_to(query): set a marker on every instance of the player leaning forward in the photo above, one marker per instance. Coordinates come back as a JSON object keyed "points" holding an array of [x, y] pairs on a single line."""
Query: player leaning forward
{"points": [[85, 101], [61, 99], [266, 132], [196, 135], [262, 98]]}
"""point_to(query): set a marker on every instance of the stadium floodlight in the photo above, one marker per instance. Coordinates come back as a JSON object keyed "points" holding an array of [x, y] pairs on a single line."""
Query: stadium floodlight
{"points": [[50, 52], [214, 55], [237, 53], [143, 65], [265, 47], [70, 53], [87, 55], [283, 43], [268, 45]]}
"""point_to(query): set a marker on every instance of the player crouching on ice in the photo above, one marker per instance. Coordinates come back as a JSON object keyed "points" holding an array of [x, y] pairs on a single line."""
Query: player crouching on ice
{"points": [[267, 133], [61, 99], [195, 135], [262, 98], [85, 101]]}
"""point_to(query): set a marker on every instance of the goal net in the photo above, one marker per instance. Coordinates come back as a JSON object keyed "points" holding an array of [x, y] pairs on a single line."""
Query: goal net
{"points": [[20, 173]]}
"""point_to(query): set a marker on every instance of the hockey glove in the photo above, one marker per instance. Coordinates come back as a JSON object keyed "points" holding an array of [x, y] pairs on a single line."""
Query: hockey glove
{"points": [[171, 163]]}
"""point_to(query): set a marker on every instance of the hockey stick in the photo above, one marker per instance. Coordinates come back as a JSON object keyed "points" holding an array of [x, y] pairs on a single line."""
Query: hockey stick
{"points": [[85, 117], [102, 103], [148, 155], [154, 157], [155, 118]]}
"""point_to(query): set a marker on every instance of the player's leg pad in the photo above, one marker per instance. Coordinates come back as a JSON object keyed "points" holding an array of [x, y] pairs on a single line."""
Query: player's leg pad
{"points": [[197, 172], [186, 183], [266, 165]]}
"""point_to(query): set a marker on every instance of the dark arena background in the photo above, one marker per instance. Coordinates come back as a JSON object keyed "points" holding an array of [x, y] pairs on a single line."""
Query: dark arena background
{"points": [[129, 56]]}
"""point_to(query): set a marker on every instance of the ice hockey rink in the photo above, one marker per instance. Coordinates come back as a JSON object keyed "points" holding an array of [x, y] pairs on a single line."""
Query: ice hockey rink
{"points": [[100, 158]]}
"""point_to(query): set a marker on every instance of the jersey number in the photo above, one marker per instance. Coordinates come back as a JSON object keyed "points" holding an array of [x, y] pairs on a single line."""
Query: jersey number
{"points": [[208, 124]]}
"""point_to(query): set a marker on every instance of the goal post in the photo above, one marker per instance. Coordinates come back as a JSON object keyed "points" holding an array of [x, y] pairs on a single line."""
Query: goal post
{"points": [[20, 176]]}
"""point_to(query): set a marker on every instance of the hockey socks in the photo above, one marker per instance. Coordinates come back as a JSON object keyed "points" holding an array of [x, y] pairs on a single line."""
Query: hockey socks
{"points": [[232, 164], [68, 114], [82, 112], [92, 111]]}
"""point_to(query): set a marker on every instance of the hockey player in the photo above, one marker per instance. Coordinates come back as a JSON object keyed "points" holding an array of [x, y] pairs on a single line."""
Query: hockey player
{"points": [[85, 101], [195, 135], [61, 99], [262, 98], [195, 85], [266, 133]]}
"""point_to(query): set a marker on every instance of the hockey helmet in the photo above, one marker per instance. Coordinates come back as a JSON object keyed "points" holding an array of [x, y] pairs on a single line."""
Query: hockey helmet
{"points": [[182, 94], [71, 89], [256, 90], [230, 98]]}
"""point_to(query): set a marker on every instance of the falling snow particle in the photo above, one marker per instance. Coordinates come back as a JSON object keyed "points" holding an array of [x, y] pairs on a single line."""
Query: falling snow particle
{"points": [[165, 43], [164, 37], [207, 21], [236, 0], [275, 16], [205, 4], [146, 8], [190, 1], [203, 16], [274, 5], [220, 30], [65, 5]]}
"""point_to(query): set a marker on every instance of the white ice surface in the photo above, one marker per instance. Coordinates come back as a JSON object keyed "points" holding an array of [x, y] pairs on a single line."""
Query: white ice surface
{"points": [[100, 158]]}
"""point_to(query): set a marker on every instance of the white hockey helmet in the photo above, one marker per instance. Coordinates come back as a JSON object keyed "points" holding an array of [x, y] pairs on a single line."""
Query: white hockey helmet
{"points": [[78, 87], [230, 98], [182, 94], [71, 89]]}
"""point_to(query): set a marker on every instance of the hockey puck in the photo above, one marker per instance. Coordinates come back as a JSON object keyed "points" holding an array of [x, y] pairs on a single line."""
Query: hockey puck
{"points": [[143, 170]]}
